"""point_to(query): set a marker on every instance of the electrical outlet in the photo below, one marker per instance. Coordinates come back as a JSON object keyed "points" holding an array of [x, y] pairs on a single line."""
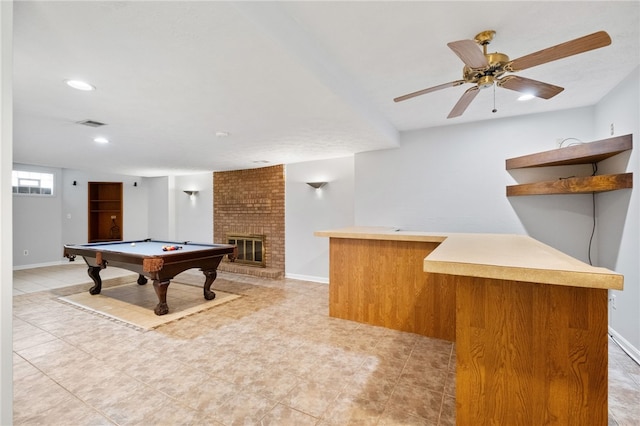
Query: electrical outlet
{"points": [[611, 128], [613, 301], [25, 253]]}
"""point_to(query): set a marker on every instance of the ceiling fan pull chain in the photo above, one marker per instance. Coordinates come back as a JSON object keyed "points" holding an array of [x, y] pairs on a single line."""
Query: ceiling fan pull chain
{"points": [[494, 110]]}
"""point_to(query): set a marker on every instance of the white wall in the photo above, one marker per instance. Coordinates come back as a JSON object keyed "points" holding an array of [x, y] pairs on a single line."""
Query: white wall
{"points": [[153, 208], [42, 225], [36, 222], [75, 201], [453, 179], [159, 215], [308, 210], [6, 200], [619, 211], [194, 218]]}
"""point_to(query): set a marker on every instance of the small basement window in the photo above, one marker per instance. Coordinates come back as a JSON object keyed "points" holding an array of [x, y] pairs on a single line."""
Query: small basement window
{"points": [[32, 183]]}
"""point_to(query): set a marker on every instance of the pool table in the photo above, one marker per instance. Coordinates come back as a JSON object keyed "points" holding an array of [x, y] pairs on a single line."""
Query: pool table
{"points": [[160, 261]]}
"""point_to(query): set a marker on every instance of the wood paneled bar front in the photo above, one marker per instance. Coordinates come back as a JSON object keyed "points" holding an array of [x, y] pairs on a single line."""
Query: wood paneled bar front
{"points": [[529, 322]]}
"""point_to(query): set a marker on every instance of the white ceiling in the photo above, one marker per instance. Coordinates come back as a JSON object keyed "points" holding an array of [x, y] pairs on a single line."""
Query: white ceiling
{"points": [[289, 81]]}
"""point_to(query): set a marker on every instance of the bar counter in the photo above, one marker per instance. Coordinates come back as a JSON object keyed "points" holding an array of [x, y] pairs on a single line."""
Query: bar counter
{"points": [[529, 322]]}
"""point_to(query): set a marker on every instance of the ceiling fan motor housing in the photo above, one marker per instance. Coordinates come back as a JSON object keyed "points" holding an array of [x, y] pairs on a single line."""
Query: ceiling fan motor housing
{"points": [[486, 77]]}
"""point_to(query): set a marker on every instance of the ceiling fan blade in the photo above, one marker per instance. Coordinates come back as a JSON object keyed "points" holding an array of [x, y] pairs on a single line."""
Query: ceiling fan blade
{"points": [[429, 90], [470, 53], [464, 102], [563, 50], [533, 87]]}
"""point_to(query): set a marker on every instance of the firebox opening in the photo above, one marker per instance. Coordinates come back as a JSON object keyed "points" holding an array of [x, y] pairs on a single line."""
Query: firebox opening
{"points": [[251, 249]]}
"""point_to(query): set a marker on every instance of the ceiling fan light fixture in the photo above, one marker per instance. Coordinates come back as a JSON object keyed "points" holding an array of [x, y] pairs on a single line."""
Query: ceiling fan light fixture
{"points": [[485, 82]]}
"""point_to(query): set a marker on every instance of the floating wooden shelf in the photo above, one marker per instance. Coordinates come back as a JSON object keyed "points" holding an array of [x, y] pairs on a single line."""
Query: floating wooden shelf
{"points": [[586, 153], [574, 185]]}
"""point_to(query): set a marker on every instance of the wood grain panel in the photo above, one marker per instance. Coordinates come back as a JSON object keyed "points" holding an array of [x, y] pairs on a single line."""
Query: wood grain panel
{"points": [[574, 185], [530, 353], [585, 153], [381, 282]]}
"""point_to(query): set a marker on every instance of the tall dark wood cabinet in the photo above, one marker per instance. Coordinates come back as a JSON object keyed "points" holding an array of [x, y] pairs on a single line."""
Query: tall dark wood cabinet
{"points": [[105, 211]]}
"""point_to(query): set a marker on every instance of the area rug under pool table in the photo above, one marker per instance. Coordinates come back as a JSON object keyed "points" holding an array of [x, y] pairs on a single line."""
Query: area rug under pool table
{"points": [[134, 304]]}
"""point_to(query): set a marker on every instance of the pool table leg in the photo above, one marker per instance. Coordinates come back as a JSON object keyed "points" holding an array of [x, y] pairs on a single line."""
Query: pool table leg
{"points": [[211, 277], [94, 273], [161, 291]]}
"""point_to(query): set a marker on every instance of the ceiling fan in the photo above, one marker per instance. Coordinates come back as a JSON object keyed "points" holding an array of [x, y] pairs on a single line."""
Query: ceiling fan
{"points": [[486, 69]]}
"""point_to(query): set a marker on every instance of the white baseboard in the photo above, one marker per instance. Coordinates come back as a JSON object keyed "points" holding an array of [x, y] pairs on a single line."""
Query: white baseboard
{"points": [[630, 350], [311, 278], [40, 265]]}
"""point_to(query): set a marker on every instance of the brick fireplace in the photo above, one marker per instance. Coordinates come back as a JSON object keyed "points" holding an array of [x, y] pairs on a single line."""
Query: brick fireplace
{"points": [[251, 203]]}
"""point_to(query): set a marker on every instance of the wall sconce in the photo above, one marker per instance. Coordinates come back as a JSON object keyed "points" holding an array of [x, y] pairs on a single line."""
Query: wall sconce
{"points": [[135, 183], [191, 194], [316, 185], [75, 183]]}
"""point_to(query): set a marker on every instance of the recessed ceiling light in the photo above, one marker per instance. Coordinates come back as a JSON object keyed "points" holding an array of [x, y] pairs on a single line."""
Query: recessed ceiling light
{"points": [[526, 97], [101, 140], [222, 134], [80, 85]]}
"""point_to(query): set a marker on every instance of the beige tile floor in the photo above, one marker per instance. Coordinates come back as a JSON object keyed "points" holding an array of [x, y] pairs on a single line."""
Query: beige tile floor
{"points": [[271, 357]]}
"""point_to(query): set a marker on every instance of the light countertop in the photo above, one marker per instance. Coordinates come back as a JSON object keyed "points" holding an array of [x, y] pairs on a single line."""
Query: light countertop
{"points": [[496, 256], [382, 233]]}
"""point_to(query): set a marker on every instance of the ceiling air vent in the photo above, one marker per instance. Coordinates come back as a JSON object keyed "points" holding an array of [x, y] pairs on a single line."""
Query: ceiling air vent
{"points": [[91, 123]]}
